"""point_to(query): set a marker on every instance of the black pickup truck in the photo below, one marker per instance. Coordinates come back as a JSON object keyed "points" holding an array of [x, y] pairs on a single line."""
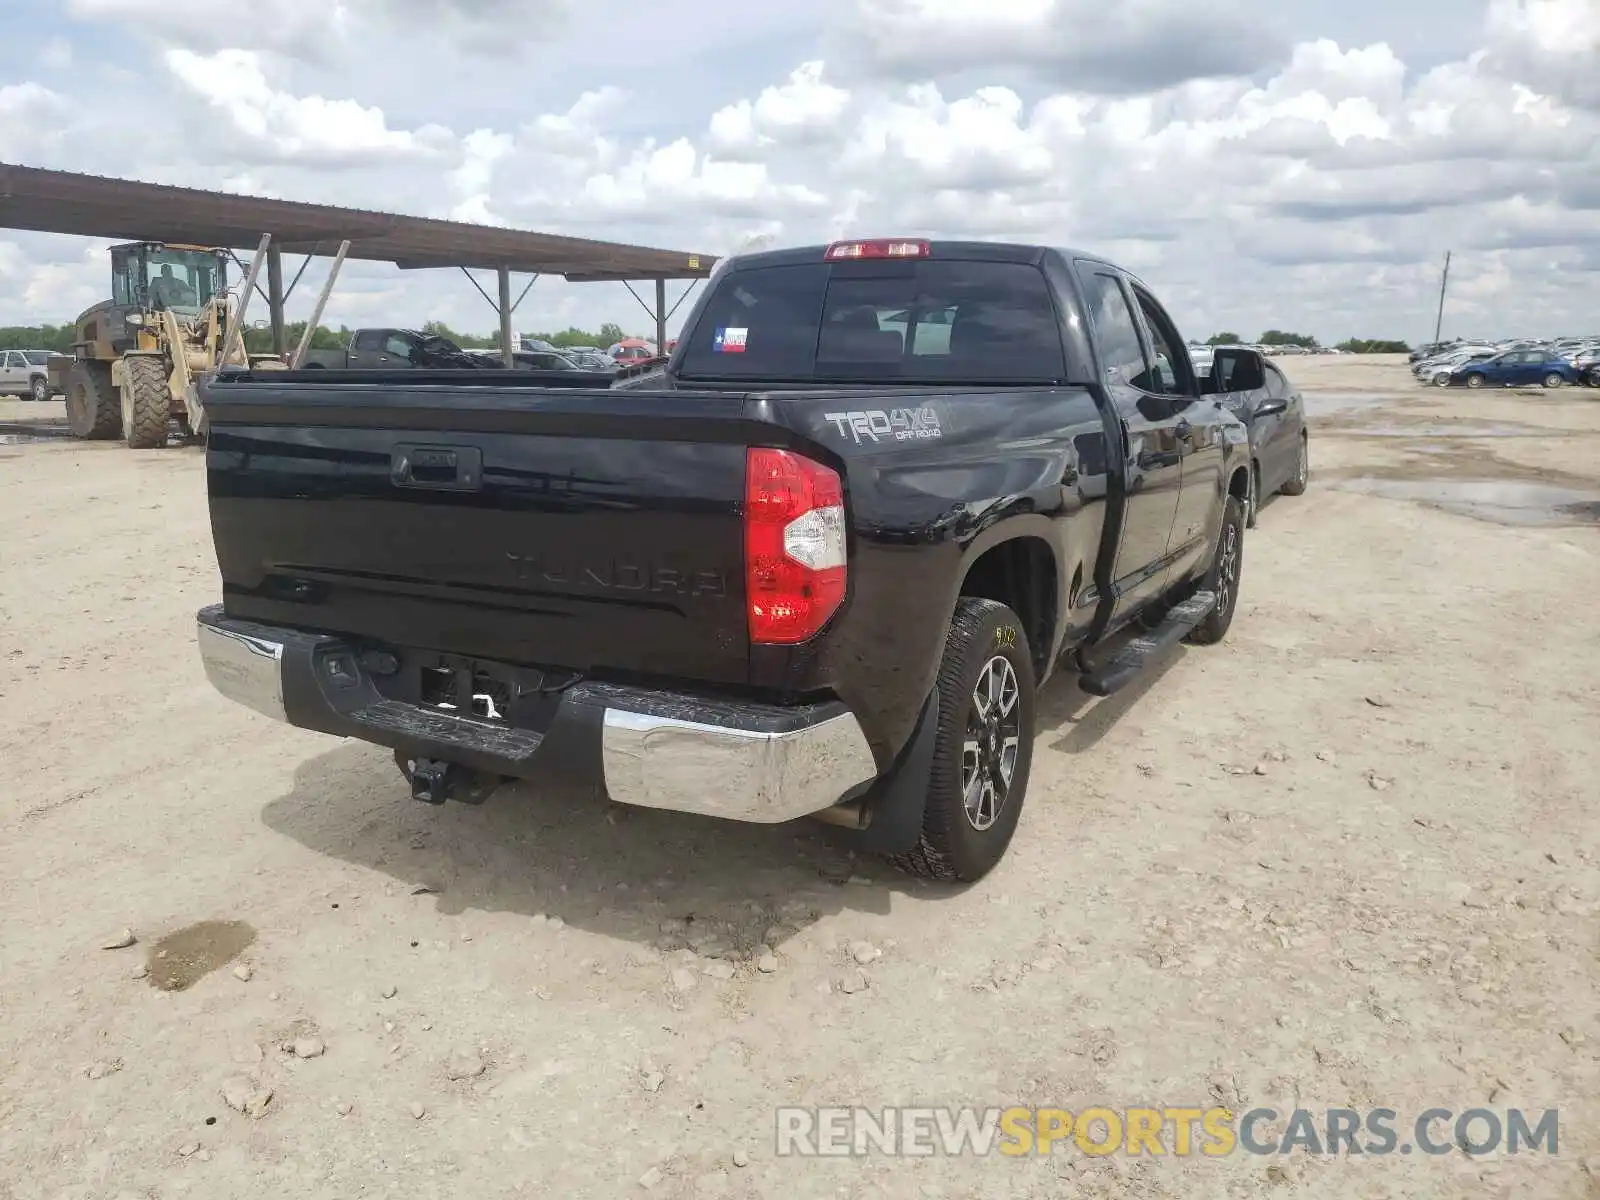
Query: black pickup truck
{"points": [[817, 564]]}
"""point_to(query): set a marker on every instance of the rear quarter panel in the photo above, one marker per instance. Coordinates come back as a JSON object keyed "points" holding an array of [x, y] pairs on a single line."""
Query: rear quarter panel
{"points": [[933, 481]]}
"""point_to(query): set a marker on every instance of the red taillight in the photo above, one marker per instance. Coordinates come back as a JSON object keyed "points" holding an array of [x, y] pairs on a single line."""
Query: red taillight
{"points": [[794, 545], [877, 248]]}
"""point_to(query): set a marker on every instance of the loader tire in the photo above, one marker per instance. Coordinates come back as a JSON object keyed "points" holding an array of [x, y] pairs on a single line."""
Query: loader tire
{"points": [[92, 410], [147, 402]]}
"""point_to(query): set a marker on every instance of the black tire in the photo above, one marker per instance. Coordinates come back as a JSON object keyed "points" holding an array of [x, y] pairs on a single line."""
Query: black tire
{"points": [[1476, 380], [953, 847], [1295, 485], [149, 402], [1223, 577], [1554, 380], [39, 388], [92, 408], [1252, 502]]}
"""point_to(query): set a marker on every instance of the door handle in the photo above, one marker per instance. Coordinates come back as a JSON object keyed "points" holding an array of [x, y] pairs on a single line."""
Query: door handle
{"points": [[440, 468]]}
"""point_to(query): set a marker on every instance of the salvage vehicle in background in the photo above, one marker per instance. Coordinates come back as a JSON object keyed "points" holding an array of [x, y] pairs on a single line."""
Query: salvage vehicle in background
{"points": [[815, 565], [391, 349], [1275, 415], [26, 373], [386, 349], [1524, 368]]}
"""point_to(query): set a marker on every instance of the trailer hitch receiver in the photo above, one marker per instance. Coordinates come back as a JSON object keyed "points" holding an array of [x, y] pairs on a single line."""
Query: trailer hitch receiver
{"points": [[434, 780]]}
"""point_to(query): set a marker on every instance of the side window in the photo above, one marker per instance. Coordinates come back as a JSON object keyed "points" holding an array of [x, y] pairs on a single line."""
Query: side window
{"points": [[368, 340], [123, 266], [398, 346], [1115, 331], [1167, 373], [6, 360]]}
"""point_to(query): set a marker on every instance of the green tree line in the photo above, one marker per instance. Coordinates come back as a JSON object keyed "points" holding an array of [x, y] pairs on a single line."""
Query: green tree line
{"points": [[1280, 337], [36, 337], [259, 341]]}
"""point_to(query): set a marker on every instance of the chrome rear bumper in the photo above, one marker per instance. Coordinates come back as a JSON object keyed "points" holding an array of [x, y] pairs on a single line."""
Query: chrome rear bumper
{"points": [[652, 749]]}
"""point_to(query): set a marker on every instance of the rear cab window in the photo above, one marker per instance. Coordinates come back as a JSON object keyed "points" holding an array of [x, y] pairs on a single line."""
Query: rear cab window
{"points": [[927, 320]]}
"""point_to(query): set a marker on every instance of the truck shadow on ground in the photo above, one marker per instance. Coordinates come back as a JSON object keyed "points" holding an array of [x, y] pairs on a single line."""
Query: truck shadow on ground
{"points": [[625, 872], [1070, 721], [602, 867]]}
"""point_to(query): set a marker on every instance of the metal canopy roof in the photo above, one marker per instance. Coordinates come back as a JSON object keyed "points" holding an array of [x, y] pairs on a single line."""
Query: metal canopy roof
{"points": [[126, 209]]}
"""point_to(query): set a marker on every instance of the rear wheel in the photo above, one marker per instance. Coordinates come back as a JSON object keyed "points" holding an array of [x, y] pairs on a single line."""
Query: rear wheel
{"points": [[1252, 501], [146, 402], [92, 410], [984, 748]]}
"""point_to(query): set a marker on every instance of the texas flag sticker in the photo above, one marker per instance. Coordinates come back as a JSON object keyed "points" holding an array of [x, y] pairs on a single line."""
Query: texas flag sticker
{"points": [[730, 341]]}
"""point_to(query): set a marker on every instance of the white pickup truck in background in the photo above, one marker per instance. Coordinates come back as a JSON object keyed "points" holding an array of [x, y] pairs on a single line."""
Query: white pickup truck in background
{"points": [[23, 373]]}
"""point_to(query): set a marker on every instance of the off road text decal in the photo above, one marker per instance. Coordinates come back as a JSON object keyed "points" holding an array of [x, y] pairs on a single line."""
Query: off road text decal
{"points": [[897, 424]]}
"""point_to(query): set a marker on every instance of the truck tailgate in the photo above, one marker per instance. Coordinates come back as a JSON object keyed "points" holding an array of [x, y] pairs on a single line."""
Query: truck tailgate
{"points": [[596, 531]]}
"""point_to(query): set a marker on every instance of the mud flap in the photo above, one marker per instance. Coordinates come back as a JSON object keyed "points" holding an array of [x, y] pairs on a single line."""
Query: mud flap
{"points": [[898, 799]]}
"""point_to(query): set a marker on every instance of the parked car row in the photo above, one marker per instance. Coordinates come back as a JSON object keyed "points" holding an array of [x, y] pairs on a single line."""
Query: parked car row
{"points": [[25, 373], [1519, 362]]}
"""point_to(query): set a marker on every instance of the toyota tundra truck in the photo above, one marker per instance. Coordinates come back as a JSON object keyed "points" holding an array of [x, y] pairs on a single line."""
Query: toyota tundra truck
{"points": [[817, 565]]}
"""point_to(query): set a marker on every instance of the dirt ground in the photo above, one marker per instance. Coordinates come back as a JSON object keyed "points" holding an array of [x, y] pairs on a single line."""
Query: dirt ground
{"points": [[1347, 858]]}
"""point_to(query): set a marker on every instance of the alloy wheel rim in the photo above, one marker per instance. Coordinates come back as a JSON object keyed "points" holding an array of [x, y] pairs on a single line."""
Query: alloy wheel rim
{"points": [[1228, 566], [993, 741], [1302, 466]]}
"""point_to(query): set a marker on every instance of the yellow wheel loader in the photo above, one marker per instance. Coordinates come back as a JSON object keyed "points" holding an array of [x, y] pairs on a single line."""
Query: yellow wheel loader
{"points": [[138, 356]]}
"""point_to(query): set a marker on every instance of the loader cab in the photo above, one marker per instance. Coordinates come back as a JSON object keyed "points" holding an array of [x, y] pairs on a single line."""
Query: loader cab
{"points": [[154, 275]]}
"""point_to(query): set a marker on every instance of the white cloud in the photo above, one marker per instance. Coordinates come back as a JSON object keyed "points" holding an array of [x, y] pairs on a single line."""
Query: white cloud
{"points": [[309, 130], [319, 30], [1254, 179], [804, 108], [1089, 45], [680, 176], [31, 120], [1553, 41]]}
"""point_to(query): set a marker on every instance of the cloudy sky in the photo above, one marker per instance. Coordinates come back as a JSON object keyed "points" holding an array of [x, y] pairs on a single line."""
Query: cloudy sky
{"points": [[1299, 164]]}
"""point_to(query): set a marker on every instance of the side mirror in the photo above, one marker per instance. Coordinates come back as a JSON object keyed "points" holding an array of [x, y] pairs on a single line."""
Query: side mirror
{"points": [[1238, 370], [1269, 407]]}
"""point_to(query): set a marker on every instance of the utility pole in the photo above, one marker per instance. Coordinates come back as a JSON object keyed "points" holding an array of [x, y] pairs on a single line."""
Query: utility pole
{"points": [[1438, 325]]}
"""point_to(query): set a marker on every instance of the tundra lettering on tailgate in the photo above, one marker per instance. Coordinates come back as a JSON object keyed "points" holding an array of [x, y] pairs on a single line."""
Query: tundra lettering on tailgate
{"points": [[900, 424], [623, 576]]}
